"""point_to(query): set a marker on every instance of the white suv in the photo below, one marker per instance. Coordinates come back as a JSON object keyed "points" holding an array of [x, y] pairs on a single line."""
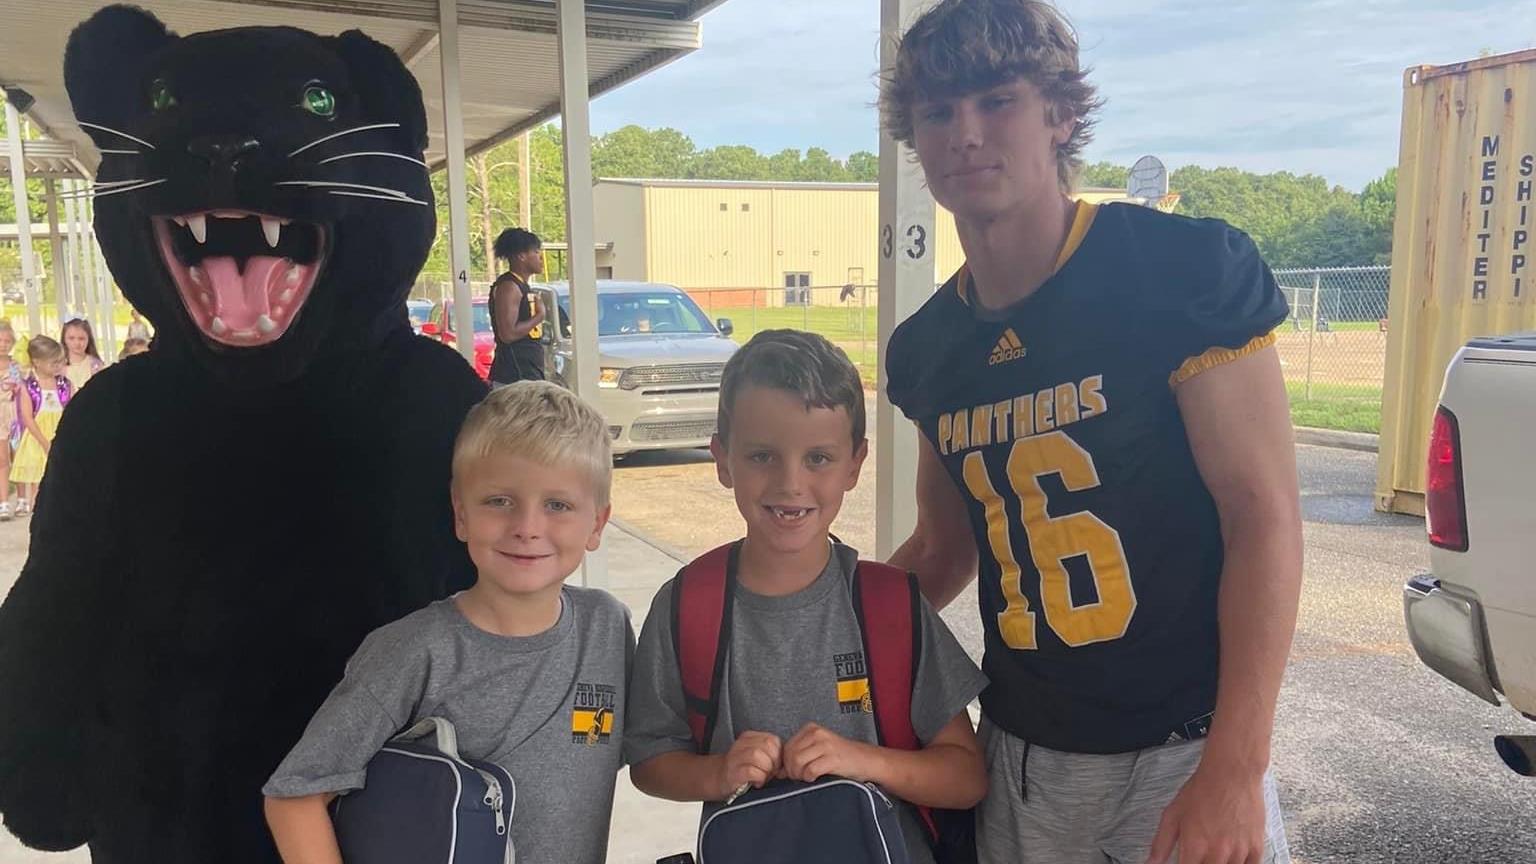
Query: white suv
{"points": [[660, 357]]}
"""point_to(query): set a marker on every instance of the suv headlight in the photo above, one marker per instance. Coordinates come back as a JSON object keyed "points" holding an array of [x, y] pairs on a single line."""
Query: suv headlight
{"points": [[609, 377]]}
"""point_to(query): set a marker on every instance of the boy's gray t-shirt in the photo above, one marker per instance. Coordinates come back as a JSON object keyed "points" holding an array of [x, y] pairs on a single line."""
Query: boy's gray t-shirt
{"points": [[527, 704], [793, 660]]}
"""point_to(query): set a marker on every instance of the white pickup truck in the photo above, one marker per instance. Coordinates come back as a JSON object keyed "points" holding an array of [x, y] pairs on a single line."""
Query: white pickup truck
{"points": [[1473, 619]]}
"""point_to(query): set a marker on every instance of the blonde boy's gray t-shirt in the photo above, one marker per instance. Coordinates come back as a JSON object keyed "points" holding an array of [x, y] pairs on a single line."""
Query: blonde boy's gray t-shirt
{"points": [[528, 704], [793, 660]]}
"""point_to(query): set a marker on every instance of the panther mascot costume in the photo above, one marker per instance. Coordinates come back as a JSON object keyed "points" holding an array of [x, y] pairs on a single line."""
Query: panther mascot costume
{"points": [[225, 517]]}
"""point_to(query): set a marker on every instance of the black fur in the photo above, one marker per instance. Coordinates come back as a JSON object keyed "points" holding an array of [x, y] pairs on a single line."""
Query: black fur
{"points": [[220, 526]]}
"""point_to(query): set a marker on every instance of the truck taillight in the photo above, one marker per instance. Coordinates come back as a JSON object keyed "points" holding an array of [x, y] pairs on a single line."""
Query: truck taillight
{"points": [[1445, 504]]}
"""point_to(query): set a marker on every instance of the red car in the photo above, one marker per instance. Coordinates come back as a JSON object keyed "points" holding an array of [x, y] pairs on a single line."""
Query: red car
{"points": [[440, 324]]}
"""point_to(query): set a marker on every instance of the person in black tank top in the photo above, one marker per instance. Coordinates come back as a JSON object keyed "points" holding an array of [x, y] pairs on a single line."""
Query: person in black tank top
{"points": [[1106, 447], [514, 313]]}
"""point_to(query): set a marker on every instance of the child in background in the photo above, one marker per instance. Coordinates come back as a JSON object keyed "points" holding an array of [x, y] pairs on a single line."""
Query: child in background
{"points": [[10, 387], [46, 392], [80, 343]]}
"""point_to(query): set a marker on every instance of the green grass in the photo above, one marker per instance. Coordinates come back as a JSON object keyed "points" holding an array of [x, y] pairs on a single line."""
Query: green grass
{"points": [[1346, 407], [842, 325], [834, 322]]}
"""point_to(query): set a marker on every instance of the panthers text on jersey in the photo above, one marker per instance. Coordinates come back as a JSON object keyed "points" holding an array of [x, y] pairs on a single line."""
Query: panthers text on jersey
{"points": [[1100, 546]]}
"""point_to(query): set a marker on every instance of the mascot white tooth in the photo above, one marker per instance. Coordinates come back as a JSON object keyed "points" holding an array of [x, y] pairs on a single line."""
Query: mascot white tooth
{"points": [[225, 517]]}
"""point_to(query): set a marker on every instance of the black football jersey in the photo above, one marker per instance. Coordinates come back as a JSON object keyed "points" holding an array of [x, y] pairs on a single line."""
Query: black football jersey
{"points": [[1100, 547]]}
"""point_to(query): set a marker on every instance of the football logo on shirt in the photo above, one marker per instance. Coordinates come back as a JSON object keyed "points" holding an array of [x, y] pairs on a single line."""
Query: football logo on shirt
{"points": [[1008, 349], [592, 713], [852, 683]]}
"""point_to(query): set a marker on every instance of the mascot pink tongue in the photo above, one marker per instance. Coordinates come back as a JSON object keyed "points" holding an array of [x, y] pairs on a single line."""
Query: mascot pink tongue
{"points": [[238, 304], [241, 300]]}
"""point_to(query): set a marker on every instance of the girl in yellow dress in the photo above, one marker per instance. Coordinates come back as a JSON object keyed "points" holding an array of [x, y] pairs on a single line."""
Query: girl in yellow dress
{"points": [[44, 393]]}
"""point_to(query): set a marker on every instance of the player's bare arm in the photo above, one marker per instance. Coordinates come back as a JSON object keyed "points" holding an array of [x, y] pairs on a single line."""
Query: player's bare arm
{"points": [[1239, 427], [941, 550]]}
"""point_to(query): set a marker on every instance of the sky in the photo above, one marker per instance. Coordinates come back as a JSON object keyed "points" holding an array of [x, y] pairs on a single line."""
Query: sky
{"points": [[1307, 86]]}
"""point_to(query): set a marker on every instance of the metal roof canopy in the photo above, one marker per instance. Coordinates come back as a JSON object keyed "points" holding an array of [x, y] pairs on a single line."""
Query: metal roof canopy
{"points": [[508, 50], [44, 158]]}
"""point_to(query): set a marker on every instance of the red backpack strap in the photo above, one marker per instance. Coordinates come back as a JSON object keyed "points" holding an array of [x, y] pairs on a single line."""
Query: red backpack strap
{"points": [[887, 603], [701, 629]]}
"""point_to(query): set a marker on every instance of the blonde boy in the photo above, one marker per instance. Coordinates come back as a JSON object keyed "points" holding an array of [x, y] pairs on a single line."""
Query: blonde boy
{"points": [[515, 662]]}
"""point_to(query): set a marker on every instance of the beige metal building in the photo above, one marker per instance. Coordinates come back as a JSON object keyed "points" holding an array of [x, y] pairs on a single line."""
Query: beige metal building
{"points": [[810, 239]]}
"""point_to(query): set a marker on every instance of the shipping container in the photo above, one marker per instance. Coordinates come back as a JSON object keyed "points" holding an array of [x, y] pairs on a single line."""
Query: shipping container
{"points": [[1462, 250]]}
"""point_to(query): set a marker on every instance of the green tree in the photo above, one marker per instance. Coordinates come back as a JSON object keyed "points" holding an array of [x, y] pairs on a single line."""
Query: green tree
{"points": [[1339, 237], [783, 165], [634, 151], [863, 167], [1270, 207], [1378, 205], [729, 162], [1104, 175], [819, 166]]}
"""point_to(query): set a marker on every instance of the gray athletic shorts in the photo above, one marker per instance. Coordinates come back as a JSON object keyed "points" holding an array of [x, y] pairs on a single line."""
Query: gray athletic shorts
{"points": [[1048, 807]]}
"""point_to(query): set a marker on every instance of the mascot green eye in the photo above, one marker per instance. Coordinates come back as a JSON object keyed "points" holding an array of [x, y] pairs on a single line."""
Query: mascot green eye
{"points": [[319, 101], [160, 97]]}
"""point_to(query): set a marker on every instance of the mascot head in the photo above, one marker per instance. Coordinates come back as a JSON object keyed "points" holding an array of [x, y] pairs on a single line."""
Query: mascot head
{"points": [[262, 195]]}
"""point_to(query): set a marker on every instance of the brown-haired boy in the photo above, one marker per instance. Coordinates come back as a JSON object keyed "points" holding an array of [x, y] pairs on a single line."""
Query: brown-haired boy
{"points": [[790, 445]]}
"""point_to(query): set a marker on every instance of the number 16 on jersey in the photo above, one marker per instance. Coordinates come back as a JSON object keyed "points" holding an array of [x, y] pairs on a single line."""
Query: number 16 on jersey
{"points": [[1051, 542]]}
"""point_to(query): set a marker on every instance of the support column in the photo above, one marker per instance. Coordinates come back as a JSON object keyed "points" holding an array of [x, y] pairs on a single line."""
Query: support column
{"points": [[906, 281], [576, 124], [72, 241], [524, 183], [105, 289], [90, 292], [458, 204], [23, 218], [56, 248], [109, 317]]}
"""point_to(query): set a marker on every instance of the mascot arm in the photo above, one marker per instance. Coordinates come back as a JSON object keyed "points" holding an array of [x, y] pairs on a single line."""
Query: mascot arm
{"points": [[50, 630], [445, 390]]}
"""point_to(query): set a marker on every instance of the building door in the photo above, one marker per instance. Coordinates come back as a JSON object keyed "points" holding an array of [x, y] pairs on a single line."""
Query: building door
{"points": [[797, 289]]}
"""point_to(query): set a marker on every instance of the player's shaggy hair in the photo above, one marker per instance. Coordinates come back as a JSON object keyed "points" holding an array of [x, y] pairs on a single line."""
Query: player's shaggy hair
{"points": [[967, 46]]}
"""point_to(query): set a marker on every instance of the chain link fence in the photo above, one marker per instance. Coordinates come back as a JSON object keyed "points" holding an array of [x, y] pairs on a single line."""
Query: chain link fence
{"points": [[1333, 348], [847, 315]]}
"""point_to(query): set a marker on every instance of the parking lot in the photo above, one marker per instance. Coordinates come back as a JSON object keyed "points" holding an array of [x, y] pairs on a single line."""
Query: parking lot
{"points": [[1378, 759]]}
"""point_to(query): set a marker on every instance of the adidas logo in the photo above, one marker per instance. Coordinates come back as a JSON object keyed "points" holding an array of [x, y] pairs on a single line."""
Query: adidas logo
{"points": [[1008, 348]]}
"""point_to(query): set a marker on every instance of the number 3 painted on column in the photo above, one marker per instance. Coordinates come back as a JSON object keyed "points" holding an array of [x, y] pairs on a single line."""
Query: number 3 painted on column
{"points": [[886, 241], [1052, 541], [919, 237]]}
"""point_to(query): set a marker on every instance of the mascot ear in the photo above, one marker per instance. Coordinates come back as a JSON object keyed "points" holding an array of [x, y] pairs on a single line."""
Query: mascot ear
{"points": [[388, 90], [104, 63]]}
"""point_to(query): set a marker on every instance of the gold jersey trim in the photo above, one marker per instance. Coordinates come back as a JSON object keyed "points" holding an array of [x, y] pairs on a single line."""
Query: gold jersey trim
{"points": [[1218, 357], [1082, 220]]}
